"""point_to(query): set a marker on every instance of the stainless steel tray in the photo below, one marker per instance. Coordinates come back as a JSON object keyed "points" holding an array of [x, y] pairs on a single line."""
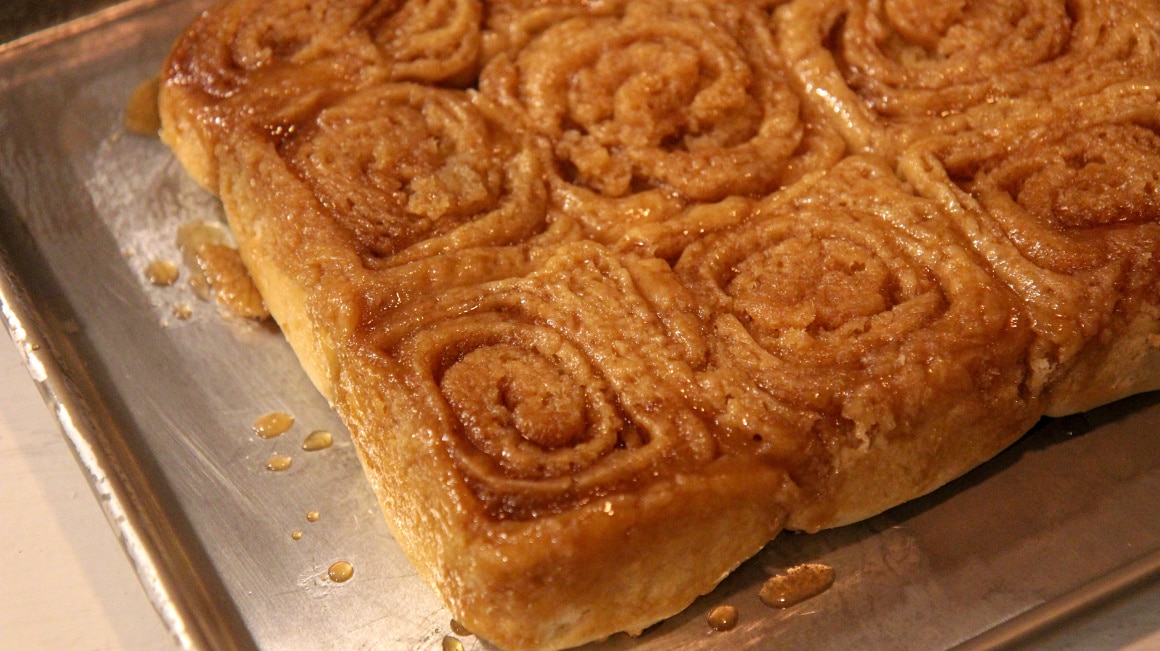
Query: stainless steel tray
{"points": [[159, 410]]}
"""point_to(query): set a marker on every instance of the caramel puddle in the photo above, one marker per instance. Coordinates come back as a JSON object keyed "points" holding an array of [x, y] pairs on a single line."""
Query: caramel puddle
{"points": [[796, 585]]}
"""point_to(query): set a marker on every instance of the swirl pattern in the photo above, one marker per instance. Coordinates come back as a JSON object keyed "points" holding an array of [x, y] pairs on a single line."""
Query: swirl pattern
{"points": [[406, 166], [915, 65], [808, 206], [602, 271], [834, 304], [270, 63], [228, 50], [1048, 205], [655, 105], [539, 416]]}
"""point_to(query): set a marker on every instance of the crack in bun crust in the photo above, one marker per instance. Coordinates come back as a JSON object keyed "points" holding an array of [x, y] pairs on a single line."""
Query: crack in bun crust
{"points": [[611, 292]]}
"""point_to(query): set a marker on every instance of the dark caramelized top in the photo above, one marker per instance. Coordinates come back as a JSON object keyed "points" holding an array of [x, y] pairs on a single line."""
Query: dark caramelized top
{"points": [[605, 242]]}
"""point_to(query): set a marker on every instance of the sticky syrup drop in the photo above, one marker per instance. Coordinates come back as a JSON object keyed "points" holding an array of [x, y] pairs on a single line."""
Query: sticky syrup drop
{"points": [[458, 628], [192, 237], [141, 112], [161, 273], [723, 618], [340, 572], [796, 585], [273, 424], [318, 440]]}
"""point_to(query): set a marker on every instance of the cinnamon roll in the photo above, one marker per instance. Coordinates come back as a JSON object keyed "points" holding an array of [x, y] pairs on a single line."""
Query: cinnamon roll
{"points": [[554, 388], [256, 61], [409, 170], [609, 292], [850, 297], [1065, 207], [652, 106], [915, 67]]}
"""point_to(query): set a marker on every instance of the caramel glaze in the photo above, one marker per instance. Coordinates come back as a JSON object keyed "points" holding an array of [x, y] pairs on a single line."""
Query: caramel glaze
{"points": [[272, 424], [161, 273], [233, 288], [797, 584], [723, 618], [600, 283], [606, 244], [141, 114], [340, 571], [216, 265]]}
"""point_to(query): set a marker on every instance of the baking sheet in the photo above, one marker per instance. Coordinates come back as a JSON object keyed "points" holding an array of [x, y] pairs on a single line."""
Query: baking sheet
{"points": [[159, 410], [21, 17]]}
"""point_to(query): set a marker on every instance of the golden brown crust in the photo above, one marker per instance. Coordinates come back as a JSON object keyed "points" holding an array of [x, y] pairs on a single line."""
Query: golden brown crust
{"points": [[894, 71], [1062, 201], [610, 292]]}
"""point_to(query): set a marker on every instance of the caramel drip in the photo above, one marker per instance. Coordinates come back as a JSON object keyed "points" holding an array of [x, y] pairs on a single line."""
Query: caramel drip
{"points": [[216, 265], [318, 440], [797, 584], [275, 423], [141, 116], [161, 273], [232, 285], [340, 571], [459, 629], [723, 618], [191, 237]]}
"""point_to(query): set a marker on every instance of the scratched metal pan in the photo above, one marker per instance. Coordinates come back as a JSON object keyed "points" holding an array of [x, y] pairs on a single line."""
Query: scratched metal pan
{"points": [[159, 410]]}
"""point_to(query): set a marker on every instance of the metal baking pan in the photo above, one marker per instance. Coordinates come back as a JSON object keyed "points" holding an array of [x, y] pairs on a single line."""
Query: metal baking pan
{"points": [[159, 410], [21, 17]]}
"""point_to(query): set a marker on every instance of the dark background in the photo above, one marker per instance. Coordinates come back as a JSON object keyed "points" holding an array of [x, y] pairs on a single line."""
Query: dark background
{"points": [[22, 17]]}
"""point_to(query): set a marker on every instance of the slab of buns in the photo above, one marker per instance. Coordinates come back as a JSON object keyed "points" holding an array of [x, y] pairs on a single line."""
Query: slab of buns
{"points": [[610, 292]]}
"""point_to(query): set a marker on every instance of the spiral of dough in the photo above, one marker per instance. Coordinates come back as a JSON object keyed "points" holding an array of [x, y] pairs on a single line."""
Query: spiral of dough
{"points": [[546, 394], [242, 42], [1064, 202], [656, 105], [272, 62], [405, 167], [920, 61], [850, 298], [590, 279]]}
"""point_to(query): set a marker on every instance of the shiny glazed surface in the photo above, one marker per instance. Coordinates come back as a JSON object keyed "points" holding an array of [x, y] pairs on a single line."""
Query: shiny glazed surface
{"points": [[925, 525]]}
